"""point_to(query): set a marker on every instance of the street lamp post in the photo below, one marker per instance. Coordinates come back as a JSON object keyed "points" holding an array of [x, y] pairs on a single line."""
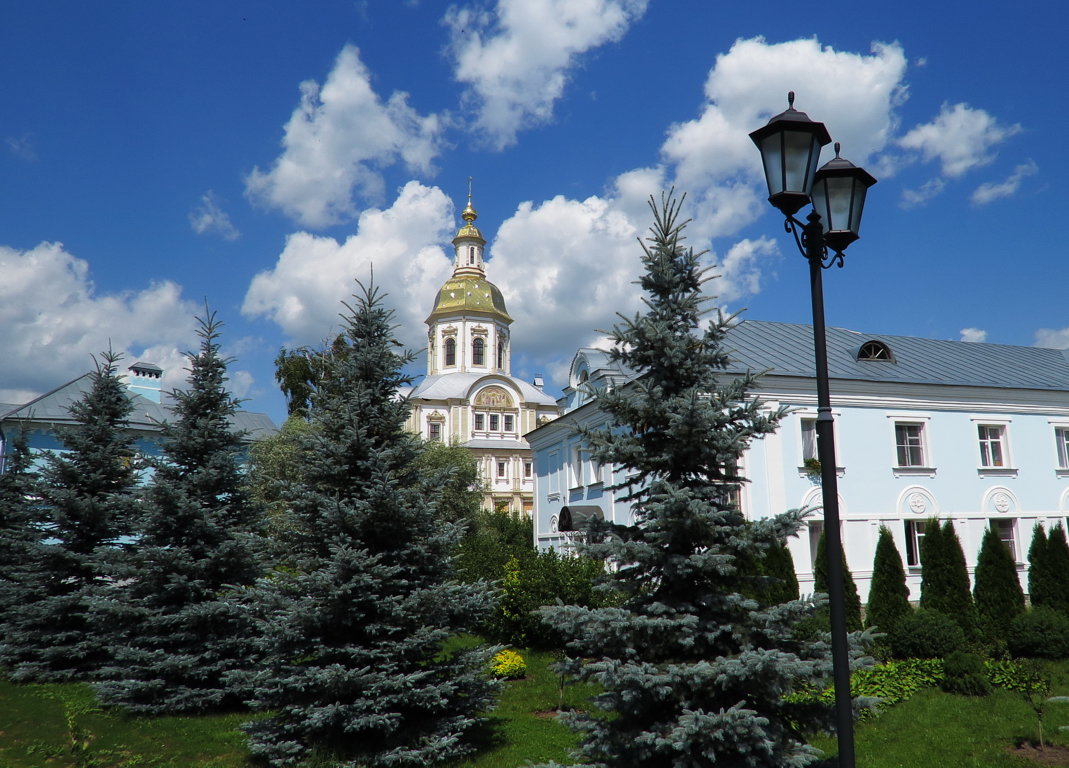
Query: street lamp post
{"points": [[790, 148]]}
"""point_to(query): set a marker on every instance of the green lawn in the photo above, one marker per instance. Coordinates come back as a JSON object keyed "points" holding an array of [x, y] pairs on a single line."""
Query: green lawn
{"points": [[59, 726]]}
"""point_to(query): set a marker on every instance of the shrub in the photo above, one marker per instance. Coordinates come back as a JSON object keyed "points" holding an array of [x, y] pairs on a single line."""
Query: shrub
{"points": [[890, 683], [888, 595], [926, 634], [1041, 633], [964, 674], [508, 665], [1006, 673], [999, 598], [944, 578]]}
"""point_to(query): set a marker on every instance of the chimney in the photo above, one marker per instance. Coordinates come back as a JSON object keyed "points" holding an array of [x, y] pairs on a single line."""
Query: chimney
{"points": [[146, 380]]}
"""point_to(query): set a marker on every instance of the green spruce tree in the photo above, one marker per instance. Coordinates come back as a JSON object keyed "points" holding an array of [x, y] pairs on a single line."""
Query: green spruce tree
{"points": [[888, 593], [780, 578], [1040, 588], [692, 671], [183, 628], [86, 505], [998, 593], [352, 622], [18, 537], [1057, 565], [850, 595]]}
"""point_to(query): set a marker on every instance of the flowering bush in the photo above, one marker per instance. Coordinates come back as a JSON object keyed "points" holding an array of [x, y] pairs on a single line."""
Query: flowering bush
{"points": [[508, 664]]}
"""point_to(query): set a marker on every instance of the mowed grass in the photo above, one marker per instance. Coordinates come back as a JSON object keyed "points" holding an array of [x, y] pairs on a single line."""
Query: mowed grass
{"points": [[60, 726]]}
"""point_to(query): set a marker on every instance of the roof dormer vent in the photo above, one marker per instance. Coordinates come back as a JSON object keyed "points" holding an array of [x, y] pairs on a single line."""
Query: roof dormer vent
{"points": [[875, 351]]}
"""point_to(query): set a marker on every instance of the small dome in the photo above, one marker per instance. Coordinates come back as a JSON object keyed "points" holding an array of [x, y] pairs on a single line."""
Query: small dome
{"points": [[470, 294]]}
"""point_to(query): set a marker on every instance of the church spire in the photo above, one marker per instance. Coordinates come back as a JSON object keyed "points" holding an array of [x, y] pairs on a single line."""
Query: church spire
{"points": [[469, 244]]}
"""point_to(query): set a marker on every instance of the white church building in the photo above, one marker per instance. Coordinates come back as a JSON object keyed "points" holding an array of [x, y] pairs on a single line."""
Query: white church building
{"points": [[469, 395], [974, 433]]}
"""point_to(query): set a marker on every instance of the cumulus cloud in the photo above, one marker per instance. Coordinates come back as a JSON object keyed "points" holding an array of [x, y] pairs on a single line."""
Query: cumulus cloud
{"points": [[54, 320], [337, 141], [514, 60], [208, 218], [976, 335], [403, 244], [960, 138], [1053, 338], [989, 192], [911, 198], [22, 147]]}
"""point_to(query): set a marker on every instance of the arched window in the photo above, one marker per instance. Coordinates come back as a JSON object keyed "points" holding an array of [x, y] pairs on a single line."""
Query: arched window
{"points": [[501, 354], [471, 254], [875, 350], [450, 351], [478, 348]]}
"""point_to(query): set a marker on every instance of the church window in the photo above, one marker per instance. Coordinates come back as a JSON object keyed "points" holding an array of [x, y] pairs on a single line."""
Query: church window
{"points": [[471, 254], [434, 431], [480, 422], [450, 351], [478, 348], [495, 420], [509, 422], [502, 469], [501, 354]]}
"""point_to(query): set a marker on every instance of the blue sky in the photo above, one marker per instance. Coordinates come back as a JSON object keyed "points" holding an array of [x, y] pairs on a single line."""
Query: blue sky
{"points": [[262, 156]]}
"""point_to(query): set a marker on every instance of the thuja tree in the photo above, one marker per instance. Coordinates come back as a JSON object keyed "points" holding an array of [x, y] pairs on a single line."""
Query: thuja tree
{"points": [[352, 622], [1040, 586], [1057, 565], [183, 628], [780, 579], [85, 506], [888, 594], [850, 595], [692, 671], [998, 593], [944, 577]]}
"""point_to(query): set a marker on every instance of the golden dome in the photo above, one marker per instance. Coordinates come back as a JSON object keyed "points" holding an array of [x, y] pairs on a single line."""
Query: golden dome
{"points": [[468, 294], [468, 229]]}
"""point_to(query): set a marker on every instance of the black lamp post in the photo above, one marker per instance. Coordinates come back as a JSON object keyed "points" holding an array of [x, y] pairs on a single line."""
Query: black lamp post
{"points": [[790, 149]]}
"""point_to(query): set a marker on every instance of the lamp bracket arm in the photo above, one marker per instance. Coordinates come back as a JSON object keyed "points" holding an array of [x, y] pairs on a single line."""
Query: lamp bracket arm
{"points": [[812, 233]]}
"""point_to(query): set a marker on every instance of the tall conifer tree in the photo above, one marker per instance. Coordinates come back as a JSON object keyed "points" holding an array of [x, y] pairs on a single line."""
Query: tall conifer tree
{"points": [[998, 593], [184, 632], [353, 623], [1039, 583], [888, 593], [693, 672], [944, 577], [18, 535], [850, 595], [86, 506], [1057, 565]]}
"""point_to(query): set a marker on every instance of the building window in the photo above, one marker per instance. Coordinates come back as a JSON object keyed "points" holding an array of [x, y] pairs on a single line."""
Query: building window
{"points": [[434, 430], [501, 354], [875, 350], [480, 422], [1061, 434], [502, 469], [991, 449], [471, 254], [815, 529], [495, 421], [909, 443], [576, 468], [510, 422], [914, 537], [478, 352], [809, 439], [1005, 530], [450, 351], [527, 470]]}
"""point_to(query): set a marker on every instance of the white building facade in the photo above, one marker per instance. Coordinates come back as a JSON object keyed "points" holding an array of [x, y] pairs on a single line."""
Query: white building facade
{"points": [[974, 433], [469, 395]]}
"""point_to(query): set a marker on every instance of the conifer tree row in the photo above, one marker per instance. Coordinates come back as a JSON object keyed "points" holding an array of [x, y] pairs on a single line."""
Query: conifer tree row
{"points": [[944, 577], [888, 600], [998, 593], [351, 625], [850, 595], [693, 672]]}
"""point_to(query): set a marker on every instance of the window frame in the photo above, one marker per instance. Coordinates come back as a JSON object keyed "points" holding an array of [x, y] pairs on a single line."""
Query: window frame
{"points": [[992, 439], [998, 524], [449, 352], [478, 352], [915, 531], [923, 422]]}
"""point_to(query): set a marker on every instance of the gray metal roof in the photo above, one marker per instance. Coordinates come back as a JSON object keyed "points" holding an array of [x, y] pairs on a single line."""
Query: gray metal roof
{"points": [[787, 349], [446, 386]]}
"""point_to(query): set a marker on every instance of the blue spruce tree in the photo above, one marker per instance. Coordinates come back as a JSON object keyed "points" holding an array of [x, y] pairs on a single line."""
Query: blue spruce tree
{"points": [[353, 620], [18, 536], [85, 507], [183, 627], [693, 672]]}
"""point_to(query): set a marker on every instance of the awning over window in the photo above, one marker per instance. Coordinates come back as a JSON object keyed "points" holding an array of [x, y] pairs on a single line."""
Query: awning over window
{"points": [[575, 518]]}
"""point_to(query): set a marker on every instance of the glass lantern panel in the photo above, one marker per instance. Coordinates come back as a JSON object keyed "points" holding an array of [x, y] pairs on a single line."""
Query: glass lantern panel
{"points": [[802, 151], [772, 154]]}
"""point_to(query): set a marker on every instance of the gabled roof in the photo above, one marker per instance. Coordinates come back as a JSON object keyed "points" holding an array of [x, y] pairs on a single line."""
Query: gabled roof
{"points": [[787, 349], [447, 386]]}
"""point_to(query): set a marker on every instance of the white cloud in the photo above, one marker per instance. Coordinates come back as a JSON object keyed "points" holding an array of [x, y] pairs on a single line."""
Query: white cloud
{"points": [[989, 192], [515, 59], [303, 292], [911, 198], [1052, 338], [54, 320], [336, 142], [977, 335], [22, 147], [960, 138], [208, 218]]}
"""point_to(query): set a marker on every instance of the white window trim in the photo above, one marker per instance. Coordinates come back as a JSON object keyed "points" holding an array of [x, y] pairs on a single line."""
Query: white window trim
{"points": [[1008, 468], [811, 414], [924, 421], [1055, 425]]}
